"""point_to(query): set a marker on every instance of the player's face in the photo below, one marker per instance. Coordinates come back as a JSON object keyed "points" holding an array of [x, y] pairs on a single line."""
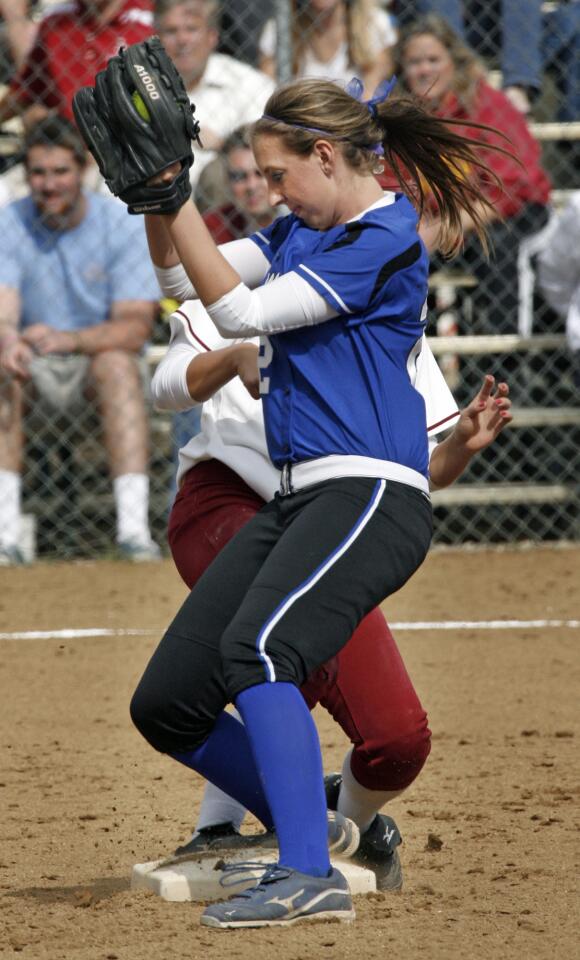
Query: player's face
{"points": [[428, 68], [247, 185], [298, 182], [55, 181], [188, 39]]}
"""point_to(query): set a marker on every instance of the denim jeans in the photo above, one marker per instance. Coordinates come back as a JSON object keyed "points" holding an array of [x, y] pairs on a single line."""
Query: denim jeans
{"points": [[561, 53]]}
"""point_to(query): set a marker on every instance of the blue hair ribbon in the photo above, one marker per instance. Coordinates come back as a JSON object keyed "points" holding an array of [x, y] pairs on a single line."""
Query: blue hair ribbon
{"points": [[355, 89]]}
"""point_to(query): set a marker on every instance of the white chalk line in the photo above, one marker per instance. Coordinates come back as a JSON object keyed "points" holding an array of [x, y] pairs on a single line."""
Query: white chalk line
{"points": [[410, 625], [73, 634]]}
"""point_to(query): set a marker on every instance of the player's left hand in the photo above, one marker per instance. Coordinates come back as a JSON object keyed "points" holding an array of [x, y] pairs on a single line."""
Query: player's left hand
{"points": [[137, 121], [44, 339], [247, 367], [485, 417]]}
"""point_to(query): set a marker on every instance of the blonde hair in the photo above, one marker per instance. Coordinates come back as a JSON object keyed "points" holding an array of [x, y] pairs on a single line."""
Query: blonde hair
{"points": [[422, 150], [468, 69], [360, 51]]}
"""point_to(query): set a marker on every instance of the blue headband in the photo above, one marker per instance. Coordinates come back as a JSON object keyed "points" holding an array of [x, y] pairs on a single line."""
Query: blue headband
{"points": [[355, 90]]}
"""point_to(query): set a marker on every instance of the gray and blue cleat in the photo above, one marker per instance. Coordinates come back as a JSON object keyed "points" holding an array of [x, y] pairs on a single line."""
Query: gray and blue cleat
{"points": [[282, 897]]}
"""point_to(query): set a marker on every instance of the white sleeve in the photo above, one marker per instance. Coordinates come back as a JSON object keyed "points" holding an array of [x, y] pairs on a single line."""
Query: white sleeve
{"points": [[243, 255], [283, 304], [573, 321], [247, 259], [383, 31], [175, 283], [169, 384], [559, 261], [267, 41], [440, 406], [192, 333]]}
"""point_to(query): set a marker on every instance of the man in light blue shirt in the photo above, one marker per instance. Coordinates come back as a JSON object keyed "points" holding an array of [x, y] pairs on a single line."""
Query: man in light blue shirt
{"points": [[77, 302]]}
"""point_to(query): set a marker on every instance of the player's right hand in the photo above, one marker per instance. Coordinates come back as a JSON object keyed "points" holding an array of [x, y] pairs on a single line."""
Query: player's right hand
{"points": [[15, 359]]}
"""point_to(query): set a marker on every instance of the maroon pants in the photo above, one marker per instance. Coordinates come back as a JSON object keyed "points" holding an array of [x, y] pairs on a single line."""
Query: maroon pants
{"points": [[366, 688]]}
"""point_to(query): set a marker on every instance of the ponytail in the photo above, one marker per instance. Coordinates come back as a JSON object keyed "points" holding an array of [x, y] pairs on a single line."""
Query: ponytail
{"points": [[427, 155], [431, 159]]}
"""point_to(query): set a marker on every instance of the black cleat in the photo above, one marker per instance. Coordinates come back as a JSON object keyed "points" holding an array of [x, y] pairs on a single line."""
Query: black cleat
{"points": [[378, 844], [332, 784], [208, 838], [223, 838], [378, 852]]}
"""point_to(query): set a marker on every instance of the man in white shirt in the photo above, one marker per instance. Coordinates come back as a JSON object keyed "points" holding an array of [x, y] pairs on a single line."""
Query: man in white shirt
{"points": [[226, 93]]}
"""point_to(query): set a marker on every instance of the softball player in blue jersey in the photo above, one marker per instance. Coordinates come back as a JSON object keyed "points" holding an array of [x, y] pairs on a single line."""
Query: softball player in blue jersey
{"points": [[337, 292]]}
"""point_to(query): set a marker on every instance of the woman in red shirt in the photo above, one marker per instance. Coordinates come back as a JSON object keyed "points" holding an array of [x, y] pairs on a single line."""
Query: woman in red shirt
{"points": [[439, 68]]}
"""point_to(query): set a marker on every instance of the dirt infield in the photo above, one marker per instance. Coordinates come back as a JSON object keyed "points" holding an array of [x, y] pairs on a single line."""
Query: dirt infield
{"points": [[84, 798]]}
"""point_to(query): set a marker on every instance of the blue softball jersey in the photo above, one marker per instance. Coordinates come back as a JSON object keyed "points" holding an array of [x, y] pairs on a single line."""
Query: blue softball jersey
{"points": [[343, 387]]}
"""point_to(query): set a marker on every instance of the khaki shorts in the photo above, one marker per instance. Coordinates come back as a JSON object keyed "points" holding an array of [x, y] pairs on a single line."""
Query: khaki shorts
{"points": [[62, 381]]}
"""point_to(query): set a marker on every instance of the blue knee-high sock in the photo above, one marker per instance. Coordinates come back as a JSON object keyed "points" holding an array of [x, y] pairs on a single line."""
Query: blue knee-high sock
{"points": [[286, 749], [227, 760]]}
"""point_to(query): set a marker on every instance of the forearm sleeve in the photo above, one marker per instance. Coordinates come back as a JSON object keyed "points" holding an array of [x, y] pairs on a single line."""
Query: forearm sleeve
{"points": [[284, 304], [243, 255], [169, 385]]}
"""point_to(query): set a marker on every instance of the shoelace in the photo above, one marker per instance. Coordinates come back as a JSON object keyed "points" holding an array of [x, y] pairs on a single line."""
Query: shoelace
{"points": [[232, 873]]}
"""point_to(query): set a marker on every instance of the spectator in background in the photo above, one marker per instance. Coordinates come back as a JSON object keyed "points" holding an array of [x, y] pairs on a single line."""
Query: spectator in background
{"points": [[510, 28], [524, 38], [249, 207], [226, 93], [436, 66], [17, 33], [559, 274], [335, 39], [72, 44], [77, 303]]}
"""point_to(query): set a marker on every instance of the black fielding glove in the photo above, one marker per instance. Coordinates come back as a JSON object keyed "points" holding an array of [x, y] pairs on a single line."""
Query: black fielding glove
{"points": [[137, 121]]}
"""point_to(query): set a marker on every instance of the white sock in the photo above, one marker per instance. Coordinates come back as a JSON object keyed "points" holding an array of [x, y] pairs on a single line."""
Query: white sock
{"points": [[357, 802], [132, 503], [219, 807], [10, 496]]}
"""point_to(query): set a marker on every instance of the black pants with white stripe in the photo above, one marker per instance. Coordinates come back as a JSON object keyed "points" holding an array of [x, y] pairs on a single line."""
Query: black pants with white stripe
{"points": [[282, 598]]}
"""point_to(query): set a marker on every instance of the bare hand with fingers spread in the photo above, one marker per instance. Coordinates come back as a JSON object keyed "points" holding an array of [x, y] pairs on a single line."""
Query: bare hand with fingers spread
{"points": [[478, 426], [486, 415]]}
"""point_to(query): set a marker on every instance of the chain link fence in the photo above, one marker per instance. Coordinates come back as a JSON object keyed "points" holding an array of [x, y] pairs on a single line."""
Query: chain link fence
{"points": [[526, 486]]}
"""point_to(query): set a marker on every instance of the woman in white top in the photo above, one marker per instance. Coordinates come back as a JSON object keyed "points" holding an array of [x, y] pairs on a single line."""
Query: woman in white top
{"points": [[335, 39]]}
